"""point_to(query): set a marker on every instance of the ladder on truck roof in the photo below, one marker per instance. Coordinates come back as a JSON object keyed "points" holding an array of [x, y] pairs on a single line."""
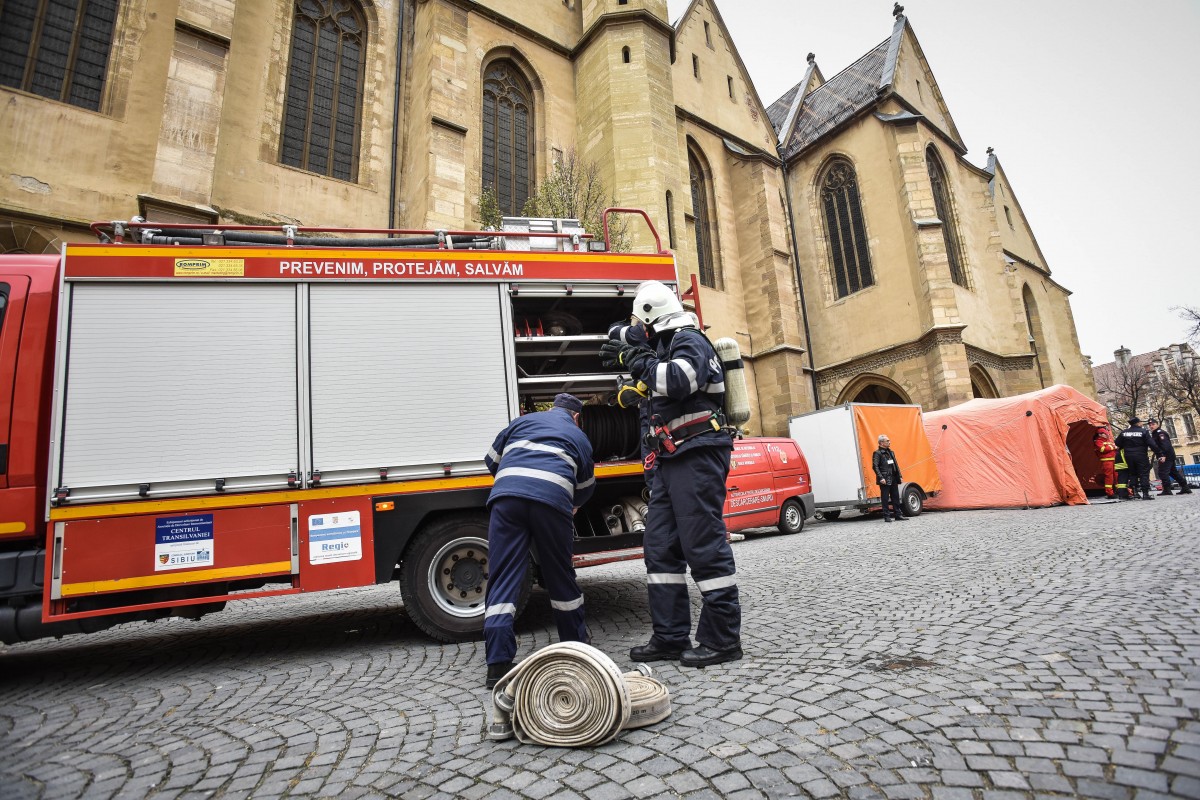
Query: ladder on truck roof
{"points": [[516, 233]]}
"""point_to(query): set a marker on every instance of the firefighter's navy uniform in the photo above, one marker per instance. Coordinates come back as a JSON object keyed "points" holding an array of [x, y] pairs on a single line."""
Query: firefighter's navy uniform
{"points": [[1106, 451], [690, 455], [685, 527], [1135, 441], [543, 467]]}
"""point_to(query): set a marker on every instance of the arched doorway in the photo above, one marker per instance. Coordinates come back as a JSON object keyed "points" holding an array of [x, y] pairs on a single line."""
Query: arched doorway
{"points": [[874, 389], [981, 383]]}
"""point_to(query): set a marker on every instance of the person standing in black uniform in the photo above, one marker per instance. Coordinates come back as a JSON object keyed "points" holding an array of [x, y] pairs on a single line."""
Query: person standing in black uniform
{"points": [[887, 475], [689, 460], [1135, 441], [1167, 468]]}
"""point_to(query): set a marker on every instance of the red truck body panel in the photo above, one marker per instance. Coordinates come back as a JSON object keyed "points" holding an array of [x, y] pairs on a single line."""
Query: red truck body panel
{"points": [[30, 283]]}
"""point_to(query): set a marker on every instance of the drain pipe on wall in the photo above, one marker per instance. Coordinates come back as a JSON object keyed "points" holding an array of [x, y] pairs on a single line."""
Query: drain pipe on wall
{"points": [[787, 196], [402, 7]]}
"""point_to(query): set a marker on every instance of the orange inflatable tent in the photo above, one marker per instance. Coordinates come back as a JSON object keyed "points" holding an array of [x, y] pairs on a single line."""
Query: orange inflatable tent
{"points": [[1030, 450]]}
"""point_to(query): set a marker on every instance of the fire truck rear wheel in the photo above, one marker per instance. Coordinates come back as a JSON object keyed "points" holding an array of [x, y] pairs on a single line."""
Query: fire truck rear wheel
{"points": [[445, 575]]}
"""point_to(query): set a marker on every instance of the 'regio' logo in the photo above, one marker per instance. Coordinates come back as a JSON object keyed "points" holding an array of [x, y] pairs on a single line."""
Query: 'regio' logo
{"points": [[195, 264]]}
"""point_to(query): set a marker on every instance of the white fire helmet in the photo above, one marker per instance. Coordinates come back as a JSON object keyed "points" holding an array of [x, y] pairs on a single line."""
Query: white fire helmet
{"points": [[655, 304]]}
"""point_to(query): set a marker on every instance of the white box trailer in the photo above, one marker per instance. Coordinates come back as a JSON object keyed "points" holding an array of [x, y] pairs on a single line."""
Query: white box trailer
{"points": [[838, 443]]}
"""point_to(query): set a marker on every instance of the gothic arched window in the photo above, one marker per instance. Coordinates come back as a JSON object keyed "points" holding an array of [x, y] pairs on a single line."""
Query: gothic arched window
{"points": [[842, 208], [701, 198], [57, 49], [945, 212], [507, 136], [322, 116]]}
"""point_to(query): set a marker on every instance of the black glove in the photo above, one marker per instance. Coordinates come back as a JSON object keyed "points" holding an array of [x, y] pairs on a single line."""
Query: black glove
{"points": [[618, 355]]}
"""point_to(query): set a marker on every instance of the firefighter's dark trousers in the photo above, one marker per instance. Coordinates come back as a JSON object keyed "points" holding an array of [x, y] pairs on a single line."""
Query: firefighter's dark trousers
{"points": [[1139, 472], [685, 530], [514, 523], [1168, 471], [1123, 483]]}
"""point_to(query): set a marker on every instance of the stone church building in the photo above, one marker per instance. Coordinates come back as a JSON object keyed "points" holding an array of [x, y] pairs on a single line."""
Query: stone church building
{"points": [[838, 233]]}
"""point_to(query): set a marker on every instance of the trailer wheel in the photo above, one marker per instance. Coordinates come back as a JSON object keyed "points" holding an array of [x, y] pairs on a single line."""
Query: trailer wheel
{"points": [[830, 516], [791, 518], [444, 578], [913, 501]]}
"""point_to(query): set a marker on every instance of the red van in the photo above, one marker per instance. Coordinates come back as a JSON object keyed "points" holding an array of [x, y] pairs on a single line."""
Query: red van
{"points": [[768, 485]]}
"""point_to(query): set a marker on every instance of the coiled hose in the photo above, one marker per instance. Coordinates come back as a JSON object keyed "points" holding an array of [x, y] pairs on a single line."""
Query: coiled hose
{"points": [[572, 695]]}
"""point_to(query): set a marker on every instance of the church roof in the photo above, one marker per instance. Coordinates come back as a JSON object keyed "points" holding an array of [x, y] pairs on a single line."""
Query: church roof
{"points": [[842, 97], [778, 111]]}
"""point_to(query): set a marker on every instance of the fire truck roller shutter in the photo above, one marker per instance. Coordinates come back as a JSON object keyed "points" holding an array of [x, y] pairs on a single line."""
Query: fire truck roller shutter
{"points": [[178, 383], [408, 376]]}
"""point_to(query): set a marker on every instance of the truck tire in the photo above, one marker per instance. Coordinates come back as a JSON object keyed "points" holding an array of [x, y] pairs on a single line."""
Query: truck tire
{"points": [[913, 501], [444, 578], [791, 517], [830, 516]]}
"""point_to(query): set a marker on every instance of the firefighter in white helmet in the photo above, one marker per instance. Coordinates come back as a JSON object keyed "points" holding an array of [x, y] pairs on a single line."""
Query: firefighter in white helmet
{"points": [[689, 458]]}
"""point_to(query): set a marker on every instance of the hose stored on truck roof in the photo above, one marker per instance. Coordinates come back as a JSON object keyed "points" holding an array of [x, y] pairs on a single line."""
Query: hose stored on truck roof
{"points": [[572, 695]]}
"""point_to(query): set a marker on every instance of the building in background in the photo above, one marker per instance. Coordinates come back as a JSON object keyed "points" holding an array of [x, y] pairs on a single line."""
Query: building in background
{"points": [[850, 199], [1163, 384]]}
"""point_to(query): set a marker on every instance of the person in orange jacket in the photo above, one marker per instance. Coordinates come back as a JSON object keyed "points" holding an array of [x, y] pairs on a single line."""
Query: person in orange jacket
{"points": [[1106, 451]]}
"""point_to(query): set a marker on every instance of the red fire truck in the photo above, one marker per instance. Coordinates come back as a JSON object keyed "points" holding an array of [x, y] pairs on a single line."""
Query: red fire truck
{"points": [[196, 415]]}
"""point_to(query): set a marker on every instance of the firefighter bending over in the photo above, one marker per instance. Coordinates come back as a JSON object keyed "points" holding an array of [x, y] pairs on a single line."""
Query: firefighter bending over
{"points": [[689, 457], [543, 467]]}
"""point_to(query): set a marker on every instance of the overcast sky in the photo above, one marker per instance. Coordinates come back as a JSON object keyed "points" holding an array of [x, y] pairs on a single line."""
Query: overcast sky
{"points": [[1091, 107]]}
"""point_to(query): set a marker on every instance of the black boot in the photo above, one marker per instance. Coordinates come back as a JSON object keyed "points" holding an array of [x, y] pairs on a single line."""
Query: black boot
{"points": [[1147, 496], [496, 672], [703, 656], [653, 652]]}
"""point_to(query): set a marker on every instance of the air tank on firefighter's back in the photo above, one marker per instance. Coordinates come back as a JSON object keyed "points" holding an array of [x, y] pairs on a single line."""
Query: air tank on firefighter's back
{"points": [[737, 396]]}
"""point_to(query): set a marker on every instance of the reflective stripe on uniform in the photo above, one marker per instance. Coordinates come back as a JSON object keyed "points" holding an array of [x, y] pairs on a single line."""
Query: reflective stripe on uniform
{"points": [[666, 577], [585, 484], [716, 583], [500, 608], [493, 455], [679, 422], [689, 372], [539, 474], [567, 605], [715, 388], [525, 444]]}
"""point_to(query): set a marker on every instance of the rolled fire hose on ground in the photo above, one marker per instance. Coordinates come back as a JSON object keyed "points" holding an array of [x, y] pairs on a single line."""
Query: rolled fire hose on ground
{"points": [[572, 695]]}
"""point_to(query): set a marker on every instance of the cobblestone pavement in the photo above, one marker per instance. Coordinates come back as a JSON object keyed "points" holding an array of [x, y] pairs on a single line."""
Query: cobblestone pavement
{"points": [[991, 655]]}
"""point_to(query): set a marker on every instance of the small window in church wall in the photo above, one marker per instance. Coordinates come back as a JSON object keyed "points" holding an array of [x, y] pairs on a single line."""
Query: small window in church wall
{"points": [[323, 105], [945, 212], [695, 66], [507, 135], [841, 207], [1008, 216], [707, 35], [625, 54], [57, 48]]}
